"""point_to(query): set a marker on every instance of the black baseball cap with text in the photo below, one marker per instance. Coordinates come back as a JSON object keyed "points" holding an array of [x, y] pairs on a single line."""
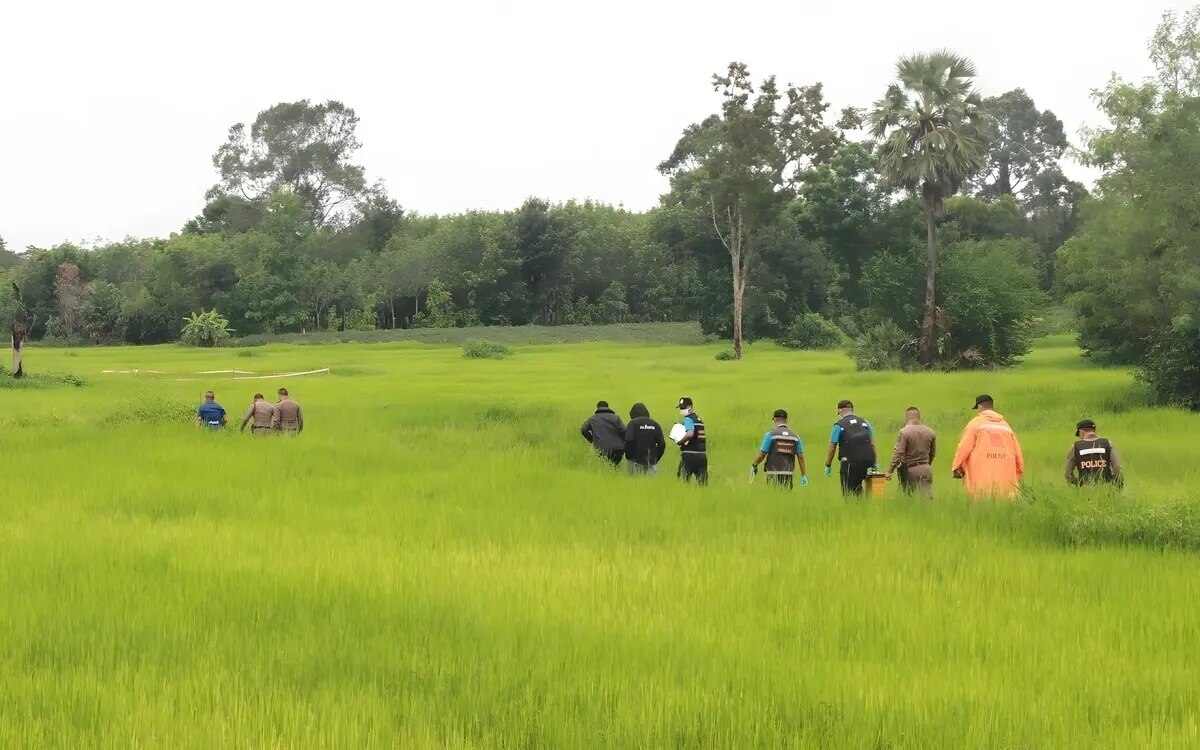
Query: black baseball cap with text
{"points": [[1084, 424]]}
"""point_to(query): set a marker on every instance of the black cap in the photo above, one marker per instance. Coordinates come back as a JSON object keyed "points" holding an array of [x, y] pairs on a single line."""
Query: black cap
{"points": [[983, 399], [601, 404], [845, 404], [1084, 424], [780, 414], [684, 402]]}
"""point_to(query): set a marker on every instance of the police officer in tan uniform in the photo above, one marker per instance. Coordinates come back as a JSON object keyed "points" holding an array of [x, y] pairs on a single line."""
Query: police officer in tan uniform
{"points": [[913, 455], [289, 417], [260, 416]]}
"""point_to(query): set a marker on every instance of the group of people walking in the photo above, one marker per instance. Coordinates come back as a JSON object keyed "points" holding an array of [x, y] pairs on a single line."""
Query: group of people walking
{"points": [[642, 442], [264, 418], [988, 458]]}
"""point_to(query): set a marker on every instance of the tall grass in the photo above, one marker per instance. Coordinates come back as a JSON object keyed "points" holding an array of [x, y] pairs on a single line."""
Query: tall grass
{"points": [[439, 562]]}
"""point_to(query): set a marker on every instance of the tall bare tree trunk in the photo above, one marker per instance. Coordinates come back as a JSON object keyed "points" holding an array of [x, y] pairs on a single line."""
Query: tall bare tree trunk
{"points": [[739, 296], [392, 308], [929, 322], [18, 343], [735, 243]]}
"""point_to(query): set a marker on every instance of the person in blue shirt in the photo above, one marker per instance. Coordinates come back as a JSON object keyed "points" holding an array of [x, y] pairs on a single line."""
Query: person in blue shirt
{"points": [[783, 450], [854, 441], [693, 446], [210, 415]]}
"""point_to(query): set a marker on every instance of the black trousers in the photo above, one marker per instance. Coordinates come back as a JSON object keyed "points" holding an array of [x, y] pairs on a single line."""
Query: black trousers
{"points": [[693, 466], [854, 473], [613, 457], [782, 481]]}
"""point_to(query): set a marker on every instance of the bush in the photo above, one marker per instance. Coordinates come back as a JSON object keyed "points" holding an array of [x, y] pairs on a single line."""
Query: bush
{"points": [[885, 346], [724, 356], [40, 380], [811, 331], [1172, 366], [481, 349], [988, 292], [205, 329]]}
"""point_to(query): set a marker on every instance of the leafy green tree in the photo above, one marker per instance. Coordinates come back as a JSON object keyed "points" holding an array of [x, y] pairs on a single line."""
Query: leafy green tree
{"points": [[299, 146], [205, 329], [1175, 52], [440, 311], [318, 288], [8, 258], [1023, 143], [100, 313], [227, 214], [931, 137], [739, 167], [16, 316]]}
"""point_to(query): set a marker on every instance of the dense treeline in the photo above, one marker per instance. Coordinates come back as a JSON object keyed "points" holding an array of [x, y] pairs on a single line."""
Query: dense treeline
{"points": [[1133, 270], [930, 227]]}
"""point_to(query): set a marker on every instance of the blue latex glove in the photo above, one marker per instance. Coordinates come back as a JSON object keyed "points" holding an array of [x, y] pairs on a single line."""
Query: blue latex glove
{"points": [[875, 467], [828, 471], [804, 481], [753, 469]]}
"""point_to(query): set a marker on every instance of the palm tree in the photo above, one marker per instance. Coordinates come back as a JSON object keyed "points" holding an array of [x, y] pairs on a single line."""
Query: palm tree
{"points": [[930, 130]]}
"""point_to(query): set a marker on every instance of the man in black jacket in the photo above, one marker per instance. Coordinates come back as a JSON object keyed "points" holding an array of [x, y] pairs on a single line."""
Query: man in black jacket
{"points": [[1093, 459], [645, 443], [606, 432]]}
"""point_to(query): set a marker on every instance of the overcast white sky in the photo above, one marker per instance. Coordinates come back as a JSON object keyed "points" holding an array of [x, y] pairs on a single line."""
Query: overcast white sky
{"points": [[110, 111]]}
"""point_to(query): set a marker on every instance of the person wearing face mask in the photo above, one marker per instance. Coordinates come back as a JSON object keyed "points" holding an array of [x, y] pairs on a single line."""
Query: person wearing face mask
{"points": [[783, 451], [693, 446]]}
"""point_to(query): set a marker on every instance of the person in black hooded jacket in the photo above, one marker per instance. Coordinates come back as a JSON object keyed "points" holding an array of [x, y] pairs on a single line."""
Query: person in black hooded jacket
{"points": [[606, 432], [645, 443]]}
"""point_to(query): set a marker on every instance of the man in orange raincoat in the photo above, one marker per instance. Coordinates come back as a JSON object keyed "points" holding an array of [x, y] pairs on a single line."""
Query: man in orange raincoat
{"points": [[989, 456]]}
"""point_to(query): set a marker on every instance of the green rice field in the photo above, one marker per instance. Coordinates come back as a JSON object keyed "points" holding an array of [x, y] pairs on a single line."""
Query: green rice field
{"points": [[439, 561]]}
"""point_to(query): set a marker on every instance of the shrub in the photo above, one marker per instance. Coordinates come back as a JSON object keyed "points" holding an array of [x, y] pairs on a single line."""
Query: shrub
{"points": [[988, 294], [884, 346], [481, 349], [1172, 366], [811, 331], [206, 329], [724, 356], [40, 380]]}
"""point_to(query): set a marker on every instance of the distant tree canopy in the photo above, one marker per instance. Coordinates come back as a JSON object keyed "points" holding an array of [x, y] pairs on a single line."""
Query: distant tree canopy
{"points": [[299, 146], [940, 238], [1132, 272]]}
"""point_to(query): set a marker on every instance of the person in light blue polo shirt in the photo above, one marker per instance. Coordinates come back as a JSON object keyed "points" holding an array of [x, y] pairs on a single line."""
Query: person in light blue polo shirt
{"points": [[783, 451], [210, 415]]}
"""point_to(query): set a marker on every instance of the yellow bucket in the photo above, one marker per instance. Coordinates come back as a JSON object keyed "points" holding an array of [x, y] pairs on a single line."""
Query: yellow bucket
{"points": [[876, 486]]}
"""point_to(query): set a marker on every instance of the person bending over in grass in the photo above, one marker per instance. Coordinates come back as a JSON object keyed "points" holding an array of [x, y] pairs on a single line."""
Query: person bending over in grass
{"points": [[1092, 459], [989, 457], [783, 451], [289, 417], [606, 432], [644, 441], [210, 415], [913, 455], [260, 416], [693, 446]]}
